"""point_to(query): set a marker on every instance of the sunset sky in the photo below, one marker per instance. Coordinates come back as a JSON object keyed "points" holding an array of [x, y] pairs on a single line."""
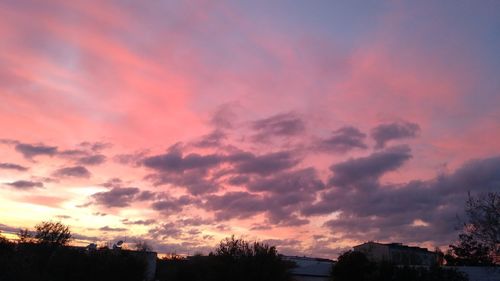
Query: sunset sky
{"points": [[310, 125]]}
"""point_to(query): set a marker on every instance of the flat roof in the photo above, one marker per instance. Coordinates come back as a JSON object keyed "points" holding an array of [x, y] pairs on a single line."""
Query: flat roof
{"points": [[397, 246]]}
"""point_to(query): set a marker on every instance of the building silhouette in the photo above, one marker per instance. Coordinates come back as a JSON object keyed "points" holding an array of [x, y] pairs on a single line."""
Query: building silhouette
{"points": [[397, 253]]}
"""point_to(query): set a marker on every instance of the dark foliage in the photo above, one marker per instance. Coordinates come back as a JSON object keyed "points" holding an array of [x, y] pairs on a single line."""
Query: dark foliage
{"points": [[483, 222], [25, 236], [233, 260], [354, 266], [468, 252], [479, 241], [54, 233], [45, 262]]}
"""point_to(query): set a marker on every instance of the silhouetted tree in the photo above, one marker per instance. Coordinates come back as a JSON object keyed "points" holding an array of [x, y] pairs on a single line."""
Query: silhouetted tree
{"points": [[232, 260], [6, 258], [54, 233], [480, 237], [44, 262], [5, 244], [233, 248], [352, 266], [240, 260], [2, 238], [468, 252], [483, 224], [25, 236]]}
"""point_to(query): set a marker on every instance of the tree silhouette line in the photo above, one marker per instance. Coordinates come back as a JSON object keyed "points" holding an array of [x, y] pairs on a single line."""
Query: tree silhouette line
{"points": [[232, 260], [44, 254], [479, 240]]}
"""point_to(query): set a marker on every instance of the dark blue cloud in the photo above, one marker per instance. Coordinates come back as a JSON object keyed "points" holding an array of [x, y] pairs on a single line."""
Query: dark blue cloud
{"points": [[116, 197], [166, 230], [369, 168], [31, 150], [236, 205], [305, 180], [393, 131], [174, 161], [214, 139], [24, 184], [74, 172], [12, 166], [112, 229], [171, 204], [280, 125], [139, 222], [96, 159], [343, 140], [266, 164]]}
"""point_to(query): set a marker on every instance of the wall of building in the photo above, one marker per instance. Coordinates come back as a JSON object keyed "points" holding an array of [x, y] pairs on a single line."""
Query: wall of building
{"points": [[397, 254], [374, 252]]}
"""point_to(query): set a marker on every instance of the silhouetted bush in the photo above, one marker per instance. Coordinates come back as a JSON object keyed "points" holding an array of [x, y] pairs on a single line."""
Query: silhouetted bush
{"points": [[233, 260], [354, 266]]}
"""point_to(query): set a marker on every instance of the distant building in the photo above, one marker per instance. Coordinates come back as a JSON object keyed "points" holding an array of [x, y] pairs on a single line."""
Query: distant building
{"points": [[397, 253], [311, 269]]}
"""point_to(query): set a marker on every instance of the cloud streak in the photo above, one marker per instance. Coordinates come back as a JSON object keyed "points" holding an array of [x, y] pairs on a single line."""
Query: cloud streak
{"points": [[280, 125], [343, 140], [393, 131], [12, 166], [116, 197], [72, 172], [31, 150], [24, 184]]}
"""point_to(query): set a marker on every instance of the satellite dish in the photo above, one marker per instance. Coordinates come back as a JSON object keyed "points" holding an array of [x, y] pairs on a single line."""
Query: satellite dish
{"points": [[92, 247], [118, 245]]}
